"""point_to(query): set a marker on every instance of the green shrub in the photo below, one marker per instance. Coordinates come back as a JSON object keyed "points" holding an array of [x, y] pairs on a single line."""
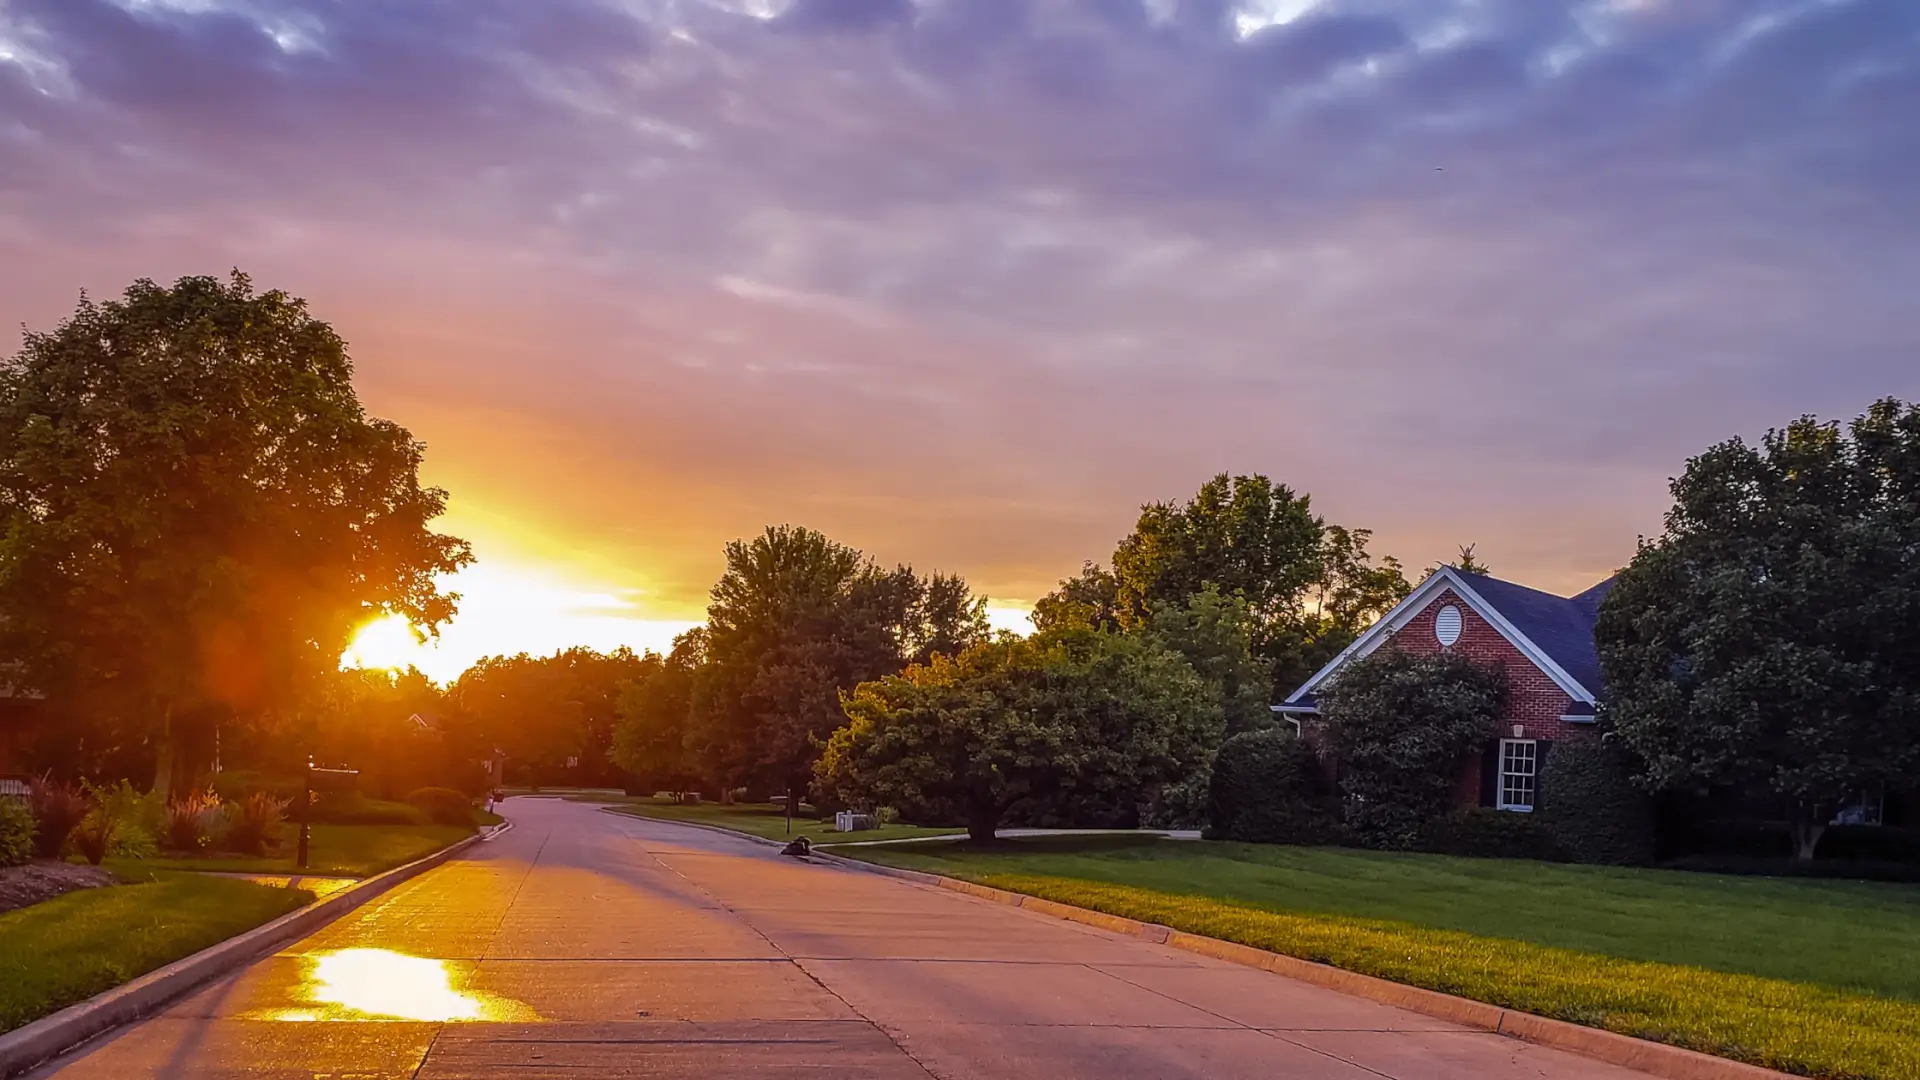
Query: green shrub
{"points": [[1401, 726], [135, 819], [57, 810], [1485, 833], [1590, 805], [16, 831], [1270, 787], [353, 808], [443, 806]]}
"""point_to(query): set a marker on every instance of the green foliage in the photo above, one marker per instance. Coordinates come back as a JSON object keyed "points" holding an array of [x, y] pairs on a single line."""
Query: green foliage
{"points": [[58, 809], [1246, 536], [1590, 805], [1072, 718], [1092, 597], [1482, 832], [1213, 632], [1764, 641], [1309, 587], [543, 711], [353, 808], [16, 831], [1402, 725], [199, 512], [795, 621], [655, 712], [134, 819], [1270, 787], [443, 806]]}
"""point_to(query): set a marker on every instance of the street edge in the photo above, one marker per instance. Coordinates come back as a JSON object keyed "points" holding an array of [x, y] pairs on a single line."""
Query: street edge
{"points": [[1659, 1059], [49, 1037]]}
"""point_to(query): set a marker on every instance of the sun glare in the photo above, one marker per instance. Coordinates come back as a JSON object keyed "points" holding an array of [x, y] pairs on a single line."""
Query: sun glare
{"points": [[389, 642]]}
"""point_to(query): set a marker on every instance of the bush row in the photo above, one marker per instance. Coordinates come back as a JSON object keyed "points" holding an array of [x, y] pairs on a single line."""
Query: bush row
{"points": [[1274, 787], [96, 821]]}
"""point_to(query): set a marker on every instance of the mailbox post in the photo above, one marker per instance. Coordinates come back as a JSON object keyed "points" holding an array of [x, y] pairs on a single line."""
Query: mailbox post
{"points": [[306, 806]]}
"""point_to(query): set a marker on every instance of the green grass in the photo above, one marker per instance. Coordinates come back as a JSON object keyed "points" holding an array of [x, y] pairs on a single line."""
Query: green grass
{"points": [[764, 819], [345, 850], [65, 950], [1813, 977]]}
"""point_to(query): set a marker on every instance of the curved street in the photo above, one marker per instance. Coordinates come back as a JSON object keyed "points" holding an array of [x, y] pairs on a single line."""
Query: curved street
{"points": [[594, 945]]}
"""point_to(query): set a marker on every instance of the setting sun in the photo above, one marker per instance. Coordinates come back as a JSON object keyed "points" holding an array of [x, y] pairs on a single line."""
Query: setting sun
{"points": [[387, 642]]}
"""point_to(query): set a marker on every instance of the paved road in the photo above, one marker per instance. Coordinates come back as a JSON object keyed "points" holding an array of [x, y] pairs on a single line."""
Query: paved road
{"points": [[585, 944]]}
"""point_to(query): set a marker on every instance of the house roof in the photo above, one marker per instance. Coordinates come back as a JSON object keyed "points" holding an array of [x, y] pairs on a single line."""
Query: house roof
{"points": [[1554, 632], [1562, 626]]}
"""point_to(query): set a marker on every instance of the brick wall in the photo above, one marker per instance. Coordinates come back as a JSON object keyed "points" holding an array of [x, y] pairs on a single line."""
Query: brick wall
{"points": [[1533, 701]]}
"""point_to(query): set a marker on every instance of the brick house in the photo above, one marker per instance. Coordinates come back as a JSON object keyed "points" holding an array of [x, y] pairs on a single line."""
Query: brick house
{"points": [[1545, 643]]}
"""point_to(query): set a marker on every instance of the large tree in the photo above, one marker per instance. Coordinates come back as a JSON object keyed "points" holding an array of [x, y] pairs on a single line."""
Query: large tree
{"points": [[198, 510], [652, 738], [1309, 587], [1070, 716], [1765, 641], [795, 620]]}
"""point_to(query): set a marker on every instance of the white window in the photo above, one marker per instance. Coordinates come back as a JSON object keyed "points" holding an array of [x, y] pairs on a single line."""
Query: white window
{"points": [[1518, 757]]}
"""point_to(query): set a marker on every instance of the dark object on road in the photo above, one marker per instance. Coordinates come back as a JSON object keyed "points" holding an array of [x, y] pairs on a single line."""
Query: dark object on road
{"points": [[799, 847]]}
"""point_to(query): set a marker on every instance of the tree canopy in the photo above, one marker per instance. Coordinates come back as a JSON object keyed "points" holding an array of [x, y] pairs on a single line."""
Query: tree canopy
{"points": [[795, 620], [1071, 715], [552, 716], [1309, 587], [1765, 640], [198, 511]]}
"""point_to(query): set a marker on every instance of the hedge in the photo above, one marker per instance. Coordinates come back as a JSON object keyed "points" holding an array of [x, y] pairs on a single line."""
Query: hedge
{"points": [[1269, 787], [1590, 806]]}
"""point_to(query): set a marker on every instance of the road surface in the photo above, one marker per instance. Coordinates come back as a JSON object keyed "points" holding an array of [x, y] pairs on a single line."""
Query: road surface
{"points": [[593, 945]]}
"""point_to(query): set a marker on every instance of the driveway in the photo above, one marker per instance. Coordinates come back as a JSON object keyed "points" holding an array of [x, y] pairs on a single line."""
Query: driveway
{"points": [[586, 944]]}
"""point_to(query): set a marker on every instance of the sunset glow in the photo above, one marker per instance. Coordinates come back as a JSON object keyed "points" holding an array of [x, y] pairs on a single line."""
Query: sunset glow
{"points": [[964, 287]]}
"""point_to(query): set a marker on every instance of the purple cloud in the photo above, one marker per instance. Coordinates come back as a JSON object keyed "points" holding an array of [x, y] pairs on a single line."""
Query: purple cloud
{"points": [[974, 277]]}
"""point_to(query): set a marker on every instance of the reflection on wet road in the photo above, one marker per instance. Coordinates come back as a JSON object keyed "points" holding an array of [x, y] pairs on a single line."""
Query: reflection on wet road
{"points": [[592, 946], [380, 984]]}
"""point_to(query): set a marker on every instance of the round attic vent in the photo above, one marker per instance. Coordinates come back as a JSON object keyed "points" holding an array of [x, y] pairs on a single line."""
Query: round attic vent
{"points": [[1446, 625]]}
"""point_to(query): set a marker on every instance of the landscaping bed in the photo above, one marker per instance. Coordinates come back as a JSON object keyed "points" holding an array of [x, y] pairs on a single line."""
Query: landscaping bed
{"points": [[343, 850], [62, 951], [45, 879], [1808, 977]]}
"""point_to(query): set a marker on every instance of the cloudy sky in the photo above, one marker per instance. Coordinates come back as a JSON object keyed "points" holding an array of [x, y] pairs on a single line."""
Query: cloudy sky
{"points": [[963, 282]]}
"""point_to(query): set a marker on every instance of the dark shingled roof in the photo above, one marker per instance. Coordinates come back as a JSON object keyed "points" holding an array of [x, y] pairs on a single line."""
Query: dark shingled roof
{"points": [[1561, 626]]}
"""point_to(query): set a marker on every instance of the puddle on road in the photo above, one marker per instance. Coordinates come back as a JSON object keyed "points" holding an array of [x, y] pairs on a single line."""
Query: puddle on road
{"points": [[383, 985]]}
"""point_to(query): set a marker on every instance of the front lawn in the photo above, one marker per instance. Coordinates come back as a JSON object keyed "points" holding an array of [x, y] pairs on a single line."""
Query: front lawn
{"points": [[764, 819], [1809, 976], [345, 850], [65, 950]]}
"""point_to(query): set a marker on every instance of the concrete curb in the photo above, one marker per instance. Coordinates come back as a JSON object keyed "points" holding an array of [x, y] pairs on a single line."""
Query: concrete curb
{"points": [[50, 1036], [1659, 1059]]}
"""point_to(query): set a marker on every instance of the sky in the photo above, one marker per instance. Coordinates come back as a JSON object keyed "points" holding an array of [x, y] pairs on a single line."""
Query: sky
{"points": [[965, 282]]}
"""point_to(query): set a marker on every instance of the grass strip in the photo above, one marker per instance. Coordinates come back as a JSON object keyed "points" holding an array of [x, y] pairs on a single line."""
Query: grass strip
{"points": [[1793, 1027], [343, 850], [66, 950], [767, 820]]}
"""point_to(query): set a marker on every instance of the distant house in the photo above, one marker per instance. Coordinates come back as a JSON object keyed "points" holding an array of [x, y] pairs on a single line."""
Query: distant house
{"points": [[1545, 643]]}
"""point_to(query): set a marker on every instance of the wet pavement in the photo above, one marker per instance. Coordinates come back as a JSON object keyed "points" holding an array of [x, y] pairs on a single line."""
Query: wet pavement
{"points": [[592, 945]]}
